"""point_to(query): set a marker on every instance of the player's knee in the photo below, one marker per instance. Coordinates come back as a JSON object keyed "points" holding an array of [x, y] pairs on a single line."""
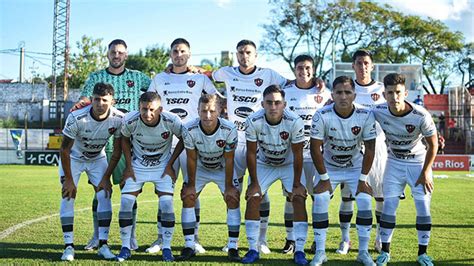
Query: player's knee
{"points": [[232, 203], [299, 201], [322, 198], [166, 204], [364, 201], [188, 201]]}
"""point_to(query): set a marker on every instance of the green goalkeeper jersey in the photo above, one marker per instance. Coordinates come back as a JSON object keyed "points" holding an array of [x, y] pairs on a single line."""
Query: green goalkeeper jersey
{"points": [[128, 87]]}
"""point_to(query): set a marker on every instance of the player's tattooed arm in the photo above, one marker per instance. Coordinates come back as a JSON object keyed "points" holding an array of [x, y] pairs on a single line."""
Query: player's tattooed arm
{"points": [[231, 192], [318, 161], [368, 159], [105, 183], [426, 179], [298, 188], [69, 188], [189, 188], [253, 190], [127, 153]]}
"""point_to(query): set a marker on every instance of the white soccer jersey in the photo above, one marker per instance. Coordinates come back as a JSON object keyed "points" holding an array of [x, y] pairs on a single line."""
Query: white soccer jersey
{"points": [[404, 133], [274, 141], [90, 136], [180, 93], [210, 148], [151, 145], [343, 137], [305, 102], [244, 92], [369, 95]]}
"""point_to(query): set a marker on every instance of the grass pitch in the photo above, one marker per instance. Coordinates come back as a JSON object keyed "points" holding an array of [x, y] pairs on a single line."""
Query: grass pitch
{"points": [[30, 231]]}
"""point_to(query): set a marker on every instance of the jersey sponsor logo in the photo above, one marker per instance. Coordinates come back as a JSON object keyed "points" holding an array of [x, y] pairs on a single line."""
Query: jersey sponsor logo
{"points": [[165, 135], [123, 101], [342, 159], [318, 98], [342, 148], [151, 160], [220, 143], [179, 112], [403, 154], [240, 125], [90, 154], [355, 130], [410, 128], [94, 146], [258, 81], [177, 100], [243, 111], [284, 135], [191, 83], [375, 96], [246, 99], [130, 83], [112, 130], [307, 130], [274, 161], [306, 117]]}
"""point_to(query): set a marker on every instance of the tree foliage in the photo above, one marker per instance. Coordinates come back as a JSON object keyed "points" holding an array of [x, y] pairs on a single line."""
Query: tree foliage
{"points": [[153, 60]]}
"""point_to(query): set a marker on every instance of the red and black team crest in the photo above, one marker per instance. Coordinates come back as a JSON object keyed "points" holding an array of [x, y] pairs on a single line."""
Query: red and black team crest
{"points": [[284, 135], [165, 135], [318, 98], [191, 83], [410, 128], [220, 143], [130, 83], [355, 130], [375, 96], [258, 82], [112, 130]]}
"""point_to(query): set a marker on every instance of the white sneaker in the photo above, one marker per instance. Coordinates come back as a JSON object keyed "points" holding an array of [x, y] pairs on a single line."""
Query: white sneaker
{"points": [[344, 247], [365, 258], [263, 247], [425, 260], [199, 248], [155, 247], [68, 254], [382, 259], [105, 252], [378, 246], [319, 258], [92, 244], [133, 244], [225, 248]]}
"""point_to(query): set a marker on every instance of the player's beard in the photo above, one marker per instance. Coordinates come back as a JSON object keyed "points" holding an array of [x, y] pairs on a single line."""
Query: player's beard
{"points": [[117, 64]]}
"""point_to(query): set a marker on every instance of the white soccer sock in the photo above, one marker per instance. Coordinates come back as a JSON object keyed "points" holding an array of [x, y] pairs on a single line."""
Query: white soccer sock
{"points": [[167, 219], [95, 220], [264, 217], [378, 214], [233, 226], [320, 219], [252, 228], [346, 210], [423, 220], [301, 233], [289, 214], [126, 218], [66, 214], [188, 222], [388, 218], [104, 214], [364, 220], [197, 212]]}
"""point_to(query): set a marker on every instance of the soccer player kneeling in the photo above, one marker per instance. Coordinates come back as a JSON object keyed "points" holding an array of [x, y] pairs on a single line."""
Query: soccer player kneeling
{"points": [[85, 135], [409, 163], [337, 134]]}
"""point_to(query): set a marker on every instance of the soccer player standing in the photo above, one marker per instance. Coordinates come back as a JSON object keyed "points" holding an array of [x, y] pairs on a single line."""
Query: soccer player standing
{"points": [[409, 163], [86, 134]]}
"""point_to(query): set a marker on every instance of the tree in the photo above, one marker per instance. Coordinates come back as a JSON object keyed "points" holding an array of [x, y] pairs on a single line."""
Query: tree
{"points": [[153, 61]]}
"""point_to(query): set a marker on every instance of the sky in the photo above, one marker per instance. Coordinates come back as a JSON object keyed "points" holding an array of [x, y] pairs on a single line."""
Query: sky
{"points": [[211, 26]]}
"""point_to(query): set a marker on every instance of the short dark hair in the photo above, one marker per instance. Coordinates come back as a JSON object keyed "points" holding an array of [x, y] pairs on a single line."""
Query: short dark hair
{"points": [[103, 89], [302, 58], [394, 79], [210, 98], [180, 41], [274, 89], [150, 96], [117, 42], [343, 80], [245, 42], [362, 52]]}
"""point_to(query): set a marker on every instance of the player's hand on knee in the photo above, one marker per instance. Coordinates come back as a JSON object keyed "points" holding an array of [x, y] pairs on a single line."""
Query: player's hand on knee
{"points": [[364, 187], [298, 190], [128, 173], [69, 189], [426, 181], [253, 191], [188, 191], [106, 185], [231, 193], [169, 170], [323, 186]]}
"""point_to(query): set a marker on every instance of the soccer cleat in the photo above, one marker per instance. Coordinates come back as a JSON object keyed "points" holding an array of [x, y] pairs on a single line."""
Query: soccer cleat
{"points": [[186, 254], [251, 257], [68, 254], [300, 258], [225, 248], [124, 254], [92, 244], [289, 247], [312, 250], [344, 247], [133, 244], [233, 255], [104, 252], [425, 260], [263, 247], [365, 258], [382, 259], [199, 248], [155, 247], [378, 246], [319, 258], [167, 255]]}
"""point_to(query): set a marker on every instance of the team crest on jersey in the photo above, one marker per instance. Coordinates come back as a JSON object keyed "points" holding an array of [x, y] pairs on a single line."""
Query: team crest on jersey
{"points": [[130, 83], [355, 130], [258, 82], [165, 135], [220, 143], [410, 128], [191, 83], [375, 96], [318, 98], [284, 135], [112, 130]]}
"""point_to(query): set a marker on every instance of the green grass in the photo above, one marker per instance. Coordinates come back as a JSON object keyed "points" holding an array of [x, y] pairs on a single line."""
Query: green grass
{"points": [[30, 192]]}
